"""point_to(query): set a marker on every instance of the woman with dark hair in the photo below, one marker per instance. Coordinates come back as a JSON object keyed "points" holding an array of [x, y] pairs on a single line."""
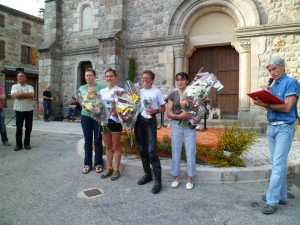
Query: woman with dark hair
{"points": [[90, 127], [181, 133], [112, 139], [152, 102]]}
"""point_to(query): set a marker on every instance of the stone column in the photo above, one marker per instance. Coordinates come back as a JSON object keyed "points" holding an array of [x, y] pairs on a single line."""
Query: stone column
{"points": [[49, 57], [178, 55], [244, 79]]}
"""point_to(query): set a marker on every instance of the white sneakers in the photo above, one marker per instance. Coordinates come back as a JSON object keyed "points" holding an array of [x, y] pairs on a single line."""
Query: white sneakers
{"points": [[175, 184], [188, 186]]}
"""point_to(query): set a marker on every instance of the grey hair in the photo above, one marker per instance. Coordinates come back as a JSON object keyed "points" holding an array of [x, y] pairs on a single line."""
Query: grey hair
{"points": [[275, 61]]}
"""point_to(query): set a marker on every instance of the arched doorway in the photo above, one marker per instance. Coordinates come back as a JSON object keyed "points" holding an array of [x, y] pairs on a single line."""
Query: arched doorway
{"points": [[223, 61], [82, 67]]}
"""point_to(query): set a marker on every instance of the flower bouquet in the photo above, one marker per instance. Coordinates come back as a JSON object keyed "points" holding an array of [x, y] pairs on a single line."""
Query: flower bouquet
{"points": [[93, 104], [127, 104], [194, 95]]}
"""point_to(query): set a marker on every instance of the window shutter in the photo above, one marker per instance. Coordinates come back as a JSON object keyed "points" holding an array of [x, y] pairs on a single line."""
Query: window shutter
{"points": [[24, 54], [2, 49], [33, 56]]}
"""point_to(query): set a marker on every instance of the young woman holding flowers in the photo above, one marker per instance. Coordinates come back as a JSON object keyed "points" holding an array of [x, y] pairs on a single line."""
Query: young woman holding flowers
{"points": [[181, 132], [112, 138], [146, 130], [86, 93]]}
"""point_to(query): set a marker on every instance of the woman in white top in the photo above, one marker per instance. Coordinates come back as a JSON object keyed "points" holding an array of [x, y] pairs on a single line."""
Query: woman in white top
{"points": [[145, 130], [112, 139]]}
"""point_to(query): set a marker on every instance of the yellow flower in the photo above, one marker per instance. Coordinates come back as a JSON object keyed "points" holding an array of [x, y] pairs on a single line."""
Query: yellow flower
{"points": [[88, 106], [134, 97]]}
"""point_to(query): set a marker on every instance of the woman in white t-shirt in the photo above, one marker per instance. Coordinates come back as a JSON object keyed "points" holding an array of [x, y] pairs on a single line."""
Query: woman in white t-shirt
{"points": [[145, 130], [112, 139]]}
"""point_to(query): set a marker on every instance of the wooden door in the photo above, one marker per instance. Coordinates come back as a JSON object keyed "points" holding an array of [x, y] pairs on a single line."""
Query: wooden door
{"points": [[223, 61]]}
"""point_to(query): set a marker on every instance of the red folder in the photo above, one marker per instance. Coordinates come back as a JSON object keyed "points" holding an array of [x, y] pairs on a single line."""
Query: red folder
{"points": [[266, 97]]}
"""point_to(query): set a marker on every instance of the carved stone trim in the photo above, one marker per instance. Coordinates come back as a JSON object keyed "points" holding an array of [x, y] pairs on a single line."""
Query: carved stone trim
{"points": [[156, 42], [80, 51], [179, 51], [274, 29]]}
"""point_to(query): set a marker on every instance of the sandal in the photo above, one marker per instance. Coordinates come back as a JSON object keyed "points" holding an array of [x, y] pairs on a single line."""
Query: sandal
{"points": [[86, 169], [99, 169], [107, 173], [115, 175]]}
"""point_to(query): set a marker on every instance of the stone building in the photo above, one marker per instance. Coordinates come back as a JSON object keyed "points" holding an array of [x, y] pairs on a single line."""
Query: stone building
{"points": [[20, 36], [231, 38]]}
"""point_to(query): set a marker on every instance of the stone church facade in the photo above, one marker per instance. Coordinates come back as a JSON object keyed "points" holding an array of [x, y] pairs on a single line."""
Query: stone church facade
{"points": [[231, 38]]}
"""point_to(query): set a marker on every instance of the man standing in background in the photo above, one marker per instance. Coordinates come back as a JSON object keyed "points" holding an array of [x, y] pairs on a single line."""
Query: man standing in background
{"points": [[47, 97], [2, 118], [23, 106]]}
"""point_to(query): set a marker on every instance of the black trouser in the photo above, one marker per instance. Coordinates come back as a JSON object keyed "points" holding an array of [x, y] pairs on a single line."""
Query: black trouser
{"points": [[20, 117], [146, 140]]}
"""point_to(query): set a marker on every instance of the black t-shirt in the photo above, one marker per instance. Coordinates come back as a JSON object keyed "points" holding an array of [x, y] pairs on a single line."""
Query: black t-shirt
{"points": [[78, 106], [47, 94]]}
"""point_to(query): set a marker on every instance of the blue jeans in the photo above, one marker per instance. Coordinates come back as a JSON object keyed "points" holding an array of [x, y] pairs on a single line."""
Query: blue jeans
{"points": [[47, 109], [188, 135], [91, 130], [2, 127], [73, 112], [280, 140]]}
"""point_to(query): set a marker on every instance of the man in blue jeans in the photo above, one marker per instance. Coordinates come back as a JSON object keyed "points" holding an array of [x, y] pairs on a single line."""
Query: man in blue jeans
{"points": [[74, 109], [280, 131], [47, 97]]}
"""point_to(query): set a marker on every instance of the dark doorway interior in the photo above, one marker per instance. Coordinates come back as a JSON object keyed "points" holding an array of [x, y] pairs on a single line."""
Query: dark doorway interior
{"points": [[82, 67]]}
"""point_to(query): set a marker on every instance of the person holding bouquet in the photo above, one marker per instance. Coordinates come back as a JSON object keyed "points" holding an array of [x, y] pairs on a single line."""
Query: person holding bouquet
{"points": [[145, 129], [112, 138], [90, 127], [181, 131]]}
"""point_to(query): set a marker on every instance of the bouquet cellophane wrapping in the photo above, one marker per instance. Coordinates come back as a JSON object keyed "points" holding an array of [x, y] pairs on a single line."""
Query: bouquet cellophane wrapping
{"points": [[128, 104], [196, 92], [93, 104]]}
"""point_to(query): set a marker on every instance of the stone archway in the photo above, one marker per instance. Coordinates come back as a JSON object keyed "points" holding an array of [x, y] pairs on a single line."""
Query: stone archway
{"points": [[244, 14]]}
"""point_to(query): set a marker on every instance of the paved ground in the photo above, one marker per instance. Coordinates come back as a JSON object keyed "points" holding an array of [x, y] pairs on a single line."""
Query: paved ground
{"points": [[40, 187]]}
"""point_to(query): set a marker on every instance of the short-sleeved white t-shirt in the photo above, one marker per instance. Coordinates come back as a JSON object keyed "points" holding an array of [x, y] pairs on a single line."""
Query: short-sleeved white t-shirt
{"points": [[107, 95], [157, 99]]}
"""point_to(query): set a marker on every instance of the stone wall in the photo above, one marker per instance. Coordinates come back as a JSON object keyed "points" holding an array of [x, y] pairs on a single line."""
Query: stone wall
{"points": [[140, 28]]}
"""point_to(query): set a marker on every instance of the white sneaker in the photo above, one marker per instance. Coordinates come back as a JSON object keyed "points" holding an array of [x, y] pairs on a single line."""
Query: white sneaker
{"points": [[175, 184], [189, 186]]}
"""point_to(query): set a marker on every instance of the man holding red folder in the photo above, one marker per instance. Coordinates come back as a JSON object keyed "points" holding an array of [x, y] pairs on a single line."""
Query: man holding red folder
{"points": [[280, 131]]}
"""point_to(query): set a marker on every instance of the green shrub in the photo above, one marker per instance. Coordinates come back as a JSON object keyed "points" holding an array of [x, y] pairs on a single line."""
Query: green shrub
{"points": [[235, 140]]}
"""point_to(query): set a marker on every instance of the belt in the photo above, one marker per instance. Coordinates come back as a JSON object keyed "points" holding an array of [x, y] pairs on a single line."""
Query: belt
{"points": [[275, 123]]}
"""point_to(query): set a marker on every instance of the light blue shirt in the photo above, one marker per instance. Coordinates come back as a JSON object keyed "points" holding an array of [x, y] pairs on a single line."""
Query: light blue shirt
{"points": [[284, 87]]}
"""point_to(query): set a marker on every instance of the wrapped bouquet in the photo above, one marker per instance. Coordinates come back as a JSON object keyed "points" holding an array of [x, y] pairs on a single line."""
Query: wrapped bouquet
{"points": [[128, 104], [93, 104], [195, 94]]}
